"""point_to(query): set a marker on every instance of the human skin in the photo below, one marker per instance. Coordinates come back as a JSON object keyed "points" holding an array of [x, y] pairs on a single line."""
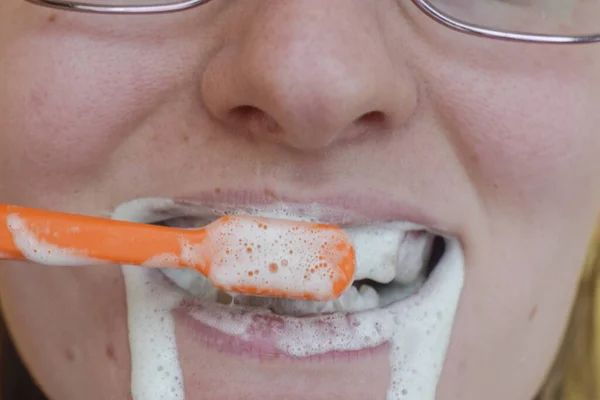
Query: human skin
{"points": [[496, 142]]}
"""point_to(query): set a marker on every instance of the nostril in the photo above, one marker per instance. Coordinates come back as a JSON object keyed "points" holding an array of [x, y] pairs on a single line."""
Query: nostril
{"points": [[245, 112], [371, 121], [254, 121], [376, 118]]}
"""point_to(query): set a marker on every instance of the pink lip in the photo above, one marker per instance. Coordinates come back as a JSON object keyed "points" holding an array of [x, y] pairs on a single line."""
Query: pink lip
{"points": [[339, 208], [261, 343]]}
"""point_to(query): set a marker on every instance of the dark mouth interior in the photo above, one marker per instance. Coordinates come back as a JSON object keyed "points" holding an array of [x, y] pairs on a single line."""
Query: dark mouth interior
{"points": [[437, 252], [184, 222]]}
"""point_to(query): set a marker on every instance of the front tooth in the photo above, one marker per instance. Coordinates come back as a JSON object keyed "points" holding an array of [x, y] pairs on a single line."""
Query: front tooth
{"points": [[352, 300], [413, 254], [298, 307], [346, 301], [368, 298]]}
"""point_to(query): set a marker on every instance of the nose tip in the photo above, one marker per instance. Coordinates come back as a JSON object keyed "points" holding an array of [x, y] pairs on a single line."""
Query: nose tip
{"points": [[307, 83]]}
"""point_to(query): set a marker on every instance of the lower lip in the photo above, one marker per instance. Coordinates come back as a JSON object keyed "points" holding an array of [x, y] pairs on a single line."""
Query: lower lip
{"points": [[258, 333], [260, 345]]}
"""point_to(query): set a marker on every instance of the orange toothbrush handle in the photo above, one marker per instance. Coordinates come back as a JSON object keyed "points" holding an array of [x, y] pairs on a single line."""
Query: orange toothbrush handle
{"points": [[43, 236]]}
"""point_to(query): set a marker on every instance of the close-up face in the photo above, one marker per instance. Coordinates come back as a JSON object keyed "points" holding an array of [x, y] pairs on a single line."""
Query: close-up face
{"points": [[466, 168]]}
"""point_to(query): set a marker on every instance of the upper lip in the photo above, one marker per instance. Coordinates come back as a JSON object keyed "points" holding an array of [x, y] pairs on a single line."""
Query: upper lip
{"points": [[345, 209]]}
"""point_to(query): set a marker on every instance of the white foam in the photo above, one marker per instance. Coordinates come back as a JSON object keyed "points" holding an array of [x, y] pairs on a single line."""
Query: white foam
{"points": [[422, 330], [418, 330], [386, 251], [376, 251], [155, 369], [41, 252]]}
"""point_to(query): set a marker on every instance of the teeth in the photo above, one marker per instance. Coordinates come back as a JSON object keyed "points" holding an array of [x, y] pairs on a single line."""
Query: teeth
{"points": [[394, 291], [367, 298], [353, 300]]}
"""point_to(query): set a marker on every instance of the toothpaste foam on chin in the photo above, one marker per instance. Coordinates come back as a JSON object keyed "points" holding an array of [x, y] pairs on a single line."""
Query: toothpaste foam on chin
{"points": [[156, 372]]}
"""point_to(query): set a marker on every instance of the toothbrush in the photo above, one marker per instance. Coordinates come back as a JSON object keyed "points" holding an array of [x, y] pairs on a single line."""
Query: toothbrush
{"points": [[242, 254]]}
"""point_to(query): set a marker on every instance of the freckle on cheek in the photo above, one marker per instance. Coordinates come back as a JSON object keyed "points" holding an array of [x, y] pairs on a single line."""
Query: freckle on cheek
{"points": [[110, 352], [532, 313], [69, 355]]}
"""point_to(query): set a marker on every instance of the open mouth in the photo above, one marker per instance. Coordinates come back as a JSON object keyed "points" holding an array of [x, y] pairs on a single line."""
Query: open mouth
{"points": [[403, 302], [394, 260]]}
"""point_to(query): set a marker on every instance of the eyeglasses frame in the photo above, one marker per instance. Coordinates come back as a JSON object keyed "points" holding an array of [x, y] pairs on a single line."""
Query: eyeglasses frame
{"points": [[424, 5]]}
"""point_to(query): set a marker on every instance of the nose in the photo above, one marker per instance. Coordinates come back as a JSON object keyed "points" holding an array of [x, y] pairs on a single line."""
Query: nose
{"points": [[308, 73]]}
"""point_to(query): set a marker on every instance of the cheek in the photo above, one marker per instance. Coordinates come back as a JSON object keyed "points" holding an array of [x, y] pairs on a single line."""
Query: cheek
{"points": [[69, 102], [527, 138], [69, 322]]}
